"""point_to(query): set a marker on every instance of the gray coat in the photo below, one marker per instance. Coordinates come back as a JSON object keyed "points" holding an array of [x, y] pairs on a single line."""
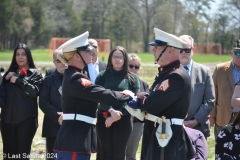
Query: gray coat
{"points": [[202, 98]]}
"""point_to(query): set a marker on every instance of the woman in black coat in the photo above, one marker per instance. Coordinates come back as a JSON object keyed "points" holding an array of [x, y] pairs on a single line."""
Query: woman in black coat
{"points": [[18, 99]]}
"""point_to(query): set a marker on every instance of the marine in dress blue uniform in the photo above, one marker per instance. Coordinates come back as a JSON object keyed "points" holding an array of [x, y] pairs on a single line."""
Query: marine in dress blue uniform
{"points": [[77, 136], [169, 96]]}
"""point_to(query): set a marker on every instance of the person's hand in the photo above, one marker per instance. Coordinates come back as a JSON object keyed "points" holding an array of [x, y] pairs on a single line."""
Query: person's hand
{"points": [[142, 94], [134, 104], [116, 115], [9, 75], [60, 119], [190, 123], [13, 79], [128, 93], [212, 121], [109, 121]]}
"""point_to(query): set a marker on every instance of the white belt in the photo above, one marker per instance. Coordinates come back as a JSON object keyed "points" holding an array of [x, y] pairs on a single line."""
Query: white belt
{"points": [[80, 117], [175, 121]]}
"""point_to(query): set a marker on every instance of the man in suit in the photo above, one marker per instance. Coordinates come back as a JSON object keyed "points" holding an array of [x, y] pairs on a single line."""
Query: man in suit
{"points": [[93, 70], [50, 103], [225, 76], [96, 66], [203, 95]]}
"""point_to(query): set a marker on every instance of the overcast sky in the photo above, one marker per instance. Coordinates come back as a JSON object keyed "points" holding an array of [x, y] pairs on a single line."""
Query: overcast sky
{"points": [[214, 6]]}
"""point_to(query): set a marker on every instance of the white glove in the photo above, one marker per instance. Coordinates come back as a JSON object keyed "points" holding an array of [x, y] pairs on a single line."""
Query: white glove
{"points": [[128, 93]]}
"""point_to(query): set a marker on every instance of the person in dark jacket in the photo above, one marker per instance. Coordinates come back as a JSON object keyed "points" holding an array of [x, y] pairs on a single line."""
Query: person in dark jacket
{"points": [[18, 99], [166, 104], [50, 104], [76, 138], [115, 77], [203, 93], [1, 70], [49, 71]]}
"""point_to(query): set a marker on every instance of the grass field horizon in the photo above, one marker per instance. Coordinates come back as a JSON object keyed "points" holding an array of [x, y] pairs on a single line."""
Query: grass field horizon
{"points": [[45, 55]]}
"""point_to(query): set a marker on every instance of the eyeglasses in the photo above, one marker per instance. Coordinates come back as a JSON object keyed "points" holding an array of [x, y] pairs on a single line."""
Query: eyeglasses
{"points": [[132, 66], [117, 57], [57, 60], [186, 50], [237, 53]]}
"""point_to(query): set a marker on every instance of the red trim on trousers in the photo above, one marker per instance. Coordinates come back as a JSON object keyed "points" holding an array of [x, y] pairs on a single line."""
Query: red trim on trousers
{"points": [[74, 155]]}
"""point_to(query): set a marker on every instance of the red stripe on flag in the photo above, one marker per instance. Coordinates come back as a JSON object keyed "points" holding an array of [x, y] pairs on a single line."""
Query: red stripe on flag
{"points": [[74, 155]]}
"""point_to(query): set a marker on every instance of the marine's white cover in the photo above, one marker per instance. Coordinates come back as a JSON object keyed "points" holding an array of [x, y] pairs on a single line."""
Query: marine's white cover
{"points": [[170, 39], [72, 44]]}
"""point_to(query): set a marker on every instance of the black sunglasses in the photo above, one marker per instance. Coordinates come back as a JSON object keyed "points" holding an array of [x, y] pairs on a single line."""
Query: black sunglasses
{"points": [[186, 50], [131, 66], [94, 46], [57, 60]]}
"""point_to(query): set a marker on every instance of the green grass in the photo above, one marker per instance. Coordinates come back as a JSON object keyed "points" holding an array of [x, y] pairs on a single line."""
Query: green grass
{"points": [[211, 58], [38, 55], [45, 55]]}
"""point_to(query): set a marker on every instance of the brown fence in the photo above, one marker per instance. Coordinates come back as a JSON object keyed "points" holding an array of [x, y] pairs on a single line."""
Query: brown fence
{"points": [[104, 44], [211, 48]]}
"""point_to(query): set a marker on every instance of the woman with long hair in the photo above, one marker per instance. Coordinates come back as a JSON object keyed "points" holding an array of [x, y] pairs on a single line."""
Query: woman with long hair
{"points": [[18, 99], [114, 124]]}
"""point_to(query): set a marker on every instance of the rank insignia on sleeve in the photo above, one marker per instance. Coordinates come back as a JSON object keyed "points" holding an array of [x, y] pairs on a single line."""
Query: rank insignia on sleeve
{"points": [[164, 85], [85, 82]]}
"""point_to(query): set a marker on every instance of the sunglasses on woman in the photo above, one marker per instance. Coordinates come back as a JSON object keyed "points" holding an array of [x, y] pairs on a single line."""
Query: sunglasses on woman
{"points": [[131, 66]]}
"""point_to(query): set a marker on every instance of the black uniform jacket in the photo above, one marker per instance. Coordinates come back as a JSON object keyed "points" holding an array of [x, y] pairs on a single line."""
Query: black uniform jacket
{"points": [[79, 96], [50, 103], [19, 100], [170, 97], [0, 78]]}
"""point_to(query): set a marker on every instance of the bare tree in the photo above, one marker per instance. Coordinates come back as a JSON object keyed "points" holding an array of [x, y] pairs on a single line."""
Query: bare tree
{"points": [[145, 11], [196, 18], [234, 11]]}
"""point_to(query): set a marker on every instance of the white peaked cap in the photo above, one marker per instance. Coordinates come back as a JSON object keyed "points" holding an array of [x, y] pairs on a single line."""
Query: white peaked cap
{"points": [[80, 42], [163, 38]]}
